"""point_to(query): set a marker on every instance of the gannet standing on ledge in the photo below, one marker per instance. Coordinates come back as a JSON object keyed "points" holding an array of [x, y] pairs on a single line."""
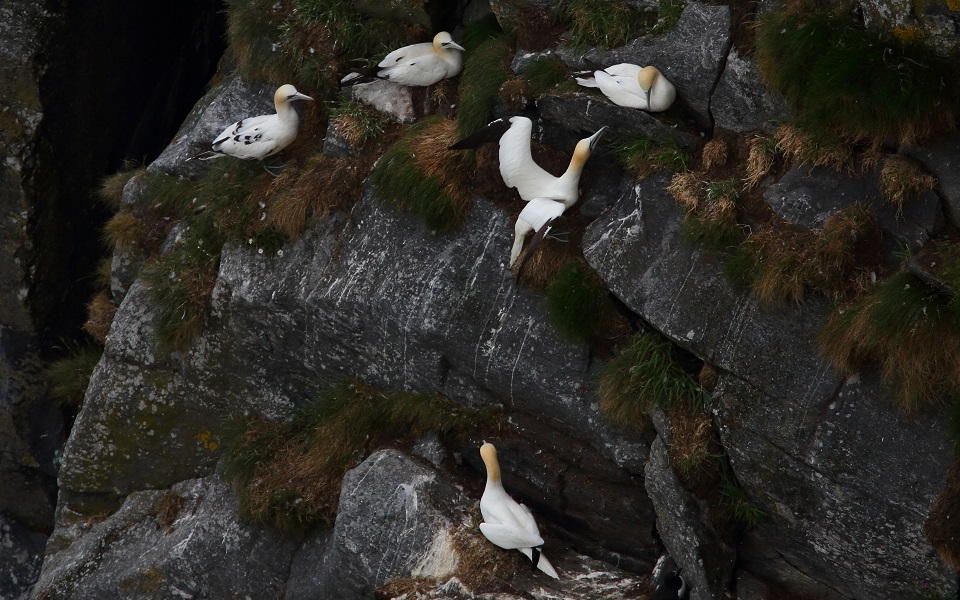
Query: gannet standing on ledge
{"points": [[633, 86], [423, 64], [256, 138], [508, 524]]}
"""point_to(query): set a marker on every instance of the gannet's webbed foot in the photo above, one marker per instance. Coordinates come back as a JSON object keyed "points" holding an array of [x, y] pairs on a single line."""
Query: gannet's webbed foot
{"points": [[273, 165], [560, 236]]}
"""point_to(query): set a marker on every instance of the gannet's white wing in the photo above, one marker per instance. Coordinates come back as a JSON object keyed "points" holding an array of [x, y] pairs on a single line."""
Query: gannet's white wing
{"points": [[540, 210], [516, 163], [509, 537], [662, 94], [590, 82], [421, 70], [407, 53], [622, 91], [623, 70], [253, 138]]}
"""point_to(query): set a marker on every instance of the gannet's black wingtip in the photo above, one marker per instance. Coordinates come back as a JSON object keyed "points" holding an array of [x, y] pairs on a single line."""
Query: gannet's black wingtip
{"points": [[489, 134], [534, 558]]}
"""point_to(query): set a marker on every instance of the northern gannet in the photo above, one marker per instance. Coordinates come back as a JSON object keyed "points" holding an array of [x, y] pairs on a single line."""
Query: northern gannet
{"points": [[508, 524], [423, 64], [518, 168], [256, 138], [633, 86]]}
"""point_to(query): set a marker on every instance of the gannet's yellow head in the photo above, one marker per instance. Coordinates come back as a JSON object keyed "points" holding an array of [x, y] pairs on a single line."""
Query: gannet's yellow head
{"points": [[286, 92], [647, 76], [443, 40], [489, 455], [585, 147]]}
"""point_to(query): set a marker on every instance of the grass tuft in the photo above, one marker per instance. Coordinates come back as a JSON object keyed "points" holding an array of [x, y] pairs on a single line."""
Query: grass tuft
{"points": [[577, 301], [485, 69], [647, 373], [738, 507], [124, 231], [111, 187], [288, 474], [420, 174], [909, 330], [357, 121], [763, 153], [644, 157], [668, 14], [548, 73], [902, 178], [601, 23], [69, 376], [845, 81], [800, 145], [100, 313], [714, 153]]}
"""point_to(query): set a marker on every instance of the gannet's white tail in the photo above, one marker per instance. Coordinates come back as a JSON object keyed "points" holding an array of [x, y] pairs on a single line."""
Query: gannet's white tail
{"points": [[542, 563], [206, 155]]}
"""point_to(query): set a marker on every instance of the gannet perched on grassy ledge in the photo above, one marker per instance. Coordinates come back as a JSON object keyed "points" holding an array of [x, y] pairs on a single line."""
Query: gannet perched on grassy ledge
{"points": [[256, 138], [633, 86], [508, 524], [423, 64]]}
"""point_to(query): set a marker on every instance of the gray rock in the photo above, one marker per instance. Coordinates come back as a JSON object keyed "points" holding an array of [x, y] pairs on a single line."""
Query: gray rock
{"points": [[388, 97], [639, 250], [126, 263], [523, 58], [942, 157], [741, 102], [228, 101], [430, 449], [396, 519], [184, 542], [937, 22], [20, 558], [774, 574], [807, 196], [335, 144], [705, 557], [845, 500], [691, 56]]}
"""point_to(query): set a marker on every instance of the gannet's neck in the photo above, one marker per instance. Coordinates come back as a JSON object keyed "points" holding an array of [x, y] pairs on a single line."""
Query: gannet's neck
{"points": [[489, 455], [287, 113]]}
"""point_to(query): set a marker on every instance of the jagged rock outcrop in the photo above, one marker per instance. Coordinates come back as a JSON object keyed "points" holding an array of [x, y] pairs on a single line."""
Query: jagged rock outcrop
{"points": [[741, 102]]}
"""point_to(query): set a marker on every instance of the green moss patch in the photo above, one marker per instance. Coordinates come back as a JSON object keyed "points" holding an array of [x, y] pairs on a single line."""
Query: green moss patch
{"points": [[600, 23], [644, 157], [288, 474], [485, 69], [577, 302]]}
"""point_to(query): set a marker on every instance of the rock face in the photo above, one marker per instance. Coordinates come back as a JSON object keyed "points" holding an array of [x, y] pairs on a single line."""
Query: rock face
{"points": [[741, 102]]}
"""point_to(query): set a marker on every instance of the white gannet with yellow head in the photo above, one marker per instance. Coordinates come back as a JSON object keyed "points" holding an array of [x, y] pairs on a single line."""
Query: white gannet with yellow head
{"points": [[256, 138], [423, 64], [506, 523], [633, 86]]}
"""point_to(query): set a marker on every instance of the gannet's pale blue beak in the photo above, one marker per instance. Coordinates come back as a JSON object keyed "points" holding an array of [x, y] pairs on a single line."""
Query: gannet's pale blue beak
{"points": [[299, 96], [453, 45], [595, 137]]}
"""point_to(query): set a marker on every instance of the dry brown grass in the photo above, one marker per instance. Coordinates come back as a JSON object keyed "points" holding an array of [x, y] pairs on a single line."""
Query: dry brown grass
{"points": [[801, 147], [686, 190], [787, 253], [714, 153], [484, 567], [124, 231], [762, 154], [848, 248], [430, 149], [942, 528], [693, 451], [111, 187], [100, 313], [405, 588], [168, 509], [546, 262], [902, 178]]}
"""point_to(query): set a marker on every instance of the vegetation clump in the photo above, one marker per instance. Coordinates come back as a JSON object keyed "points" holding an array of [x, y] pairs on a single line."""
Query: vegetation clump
{"points": [[844, 81], [644, 157], [802, 145], [288, 474], [548, 73], [902, 178], [69, 376], [577, 301], [649, 372], [485, 69], [357, 121], [420, 174], [906, 327], [601, 23]]}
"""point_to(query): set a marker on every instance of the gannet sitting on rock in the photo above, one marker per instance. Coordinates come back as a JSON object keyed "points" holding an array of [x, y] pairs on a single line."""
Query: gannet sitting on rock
{"points": [[633, 86], [256, 138], [518, 168], [423, 64], [508, 524]]}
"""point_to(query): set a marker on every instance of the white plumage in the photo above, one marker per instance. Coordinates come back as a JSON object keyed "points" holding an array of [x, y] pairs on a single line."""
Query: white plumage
{"points": [[519, 170], [538, 214], [633, 86], [256, 138], [508, 524], [423, 64]]}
